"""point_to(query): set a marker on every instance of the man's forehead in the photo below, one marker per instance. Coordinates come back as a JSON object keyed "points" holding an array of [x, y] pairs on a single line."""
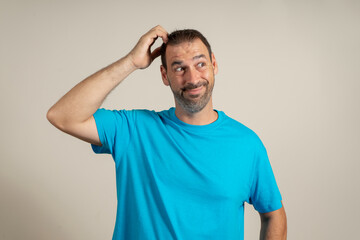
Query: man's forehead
{"points": [[188, 49]]}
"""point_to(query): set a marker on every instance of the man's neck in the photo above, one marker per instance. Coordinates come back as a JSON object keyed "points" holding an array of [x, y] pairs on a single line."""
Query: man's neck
{"points": [[206, 116]]}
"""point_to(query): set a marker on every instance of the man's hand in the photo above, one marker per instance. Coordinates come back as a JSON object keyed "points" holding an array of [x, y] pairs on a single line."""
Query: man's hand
{"points": [[141, 55]]}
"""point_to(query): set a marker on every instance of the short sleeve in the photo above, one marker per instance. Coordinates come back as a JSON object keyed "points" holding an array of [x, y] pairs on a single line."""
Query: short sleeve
{"points": [[265, 195], [114, 128]]}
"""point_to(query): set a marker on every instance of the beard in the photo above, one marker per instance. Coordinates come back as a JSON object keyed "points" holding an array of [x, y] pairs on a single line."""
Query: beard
{"points": [[193, 103]]}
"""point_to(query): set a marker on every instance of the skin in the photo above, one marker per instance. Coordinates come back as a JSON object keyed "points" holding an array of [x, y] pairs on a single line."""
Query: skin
{"points": [[190, 75], [273, 225], [189, 65], [73, 113]]}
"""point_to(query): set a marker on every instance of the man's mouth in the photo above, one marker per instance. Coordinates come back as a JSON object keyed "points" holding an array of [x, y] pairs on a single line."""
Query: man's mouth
{"points": [[194, 91], [191, 86]]}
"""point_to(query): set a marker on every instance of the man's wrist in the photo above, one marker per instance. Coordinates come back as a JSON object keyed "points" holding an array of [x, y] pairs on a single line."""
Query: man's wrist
{"points": [[123, 67], [129, 63]]}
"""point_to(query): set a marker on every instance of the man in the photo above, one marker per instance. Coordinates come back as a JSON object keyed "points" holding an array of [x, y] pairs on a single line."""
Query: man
{"points": [[183, 173]]}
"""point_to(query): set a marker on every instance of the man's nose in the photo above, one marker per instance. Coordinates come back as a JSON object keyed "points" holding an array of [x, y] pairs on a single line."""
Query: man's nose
{"points": [[191, 75]]}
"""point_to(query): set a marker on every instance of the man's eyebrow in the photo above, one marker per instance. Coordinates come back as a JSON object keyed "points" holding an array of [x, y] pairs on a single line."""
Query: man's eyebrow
{"points": [[194, 58], [199, 56], [176, 63]]}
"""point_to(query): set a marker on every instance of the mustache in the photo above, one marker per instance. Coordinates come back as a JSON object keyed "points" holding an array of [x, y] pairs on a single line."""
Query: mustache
{"points": [[190, 86]]}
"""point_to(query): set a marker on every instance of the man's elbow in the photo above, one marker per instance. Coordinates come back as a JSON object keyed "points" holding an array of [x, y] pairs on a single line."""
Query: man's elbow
{"points": [[50, 116], [53, 117]]}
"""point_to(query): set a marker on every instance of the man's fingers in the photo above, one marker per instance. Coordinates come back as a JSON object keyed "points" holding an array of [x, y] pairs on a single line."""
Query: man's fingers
{"points": [[163, 34], [141, 55], [155, 53], [154, 34], [159, 31]]}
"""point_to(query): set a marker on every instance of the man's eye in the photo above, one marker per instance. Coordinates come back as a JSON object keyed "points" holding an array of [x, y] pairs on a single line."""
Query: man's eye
{"points": [[201, 64], [178, 69]]}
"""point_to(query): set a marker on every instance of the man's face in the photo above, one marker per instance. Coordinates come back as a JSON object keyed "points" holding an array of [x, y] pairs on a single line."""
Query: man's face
{"points": [[190, 74]]}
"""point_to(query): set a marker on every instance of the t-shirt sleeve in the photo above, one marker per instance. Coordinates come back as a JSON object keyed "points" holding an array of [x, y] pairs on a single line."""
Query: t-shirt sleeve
{"points": [[265, 195], [114, 129]]}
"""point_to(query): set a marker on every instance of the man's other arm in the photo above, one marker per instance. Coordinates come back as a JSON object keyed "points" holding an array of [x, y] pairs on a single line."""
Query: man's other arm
{"points": [[73, 113], [273, 225]]}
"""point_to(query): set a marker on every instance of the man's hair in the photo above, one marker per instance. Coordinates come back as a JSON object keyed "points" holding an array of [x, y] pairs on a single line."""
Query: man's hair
{"points": [[180, 36]]}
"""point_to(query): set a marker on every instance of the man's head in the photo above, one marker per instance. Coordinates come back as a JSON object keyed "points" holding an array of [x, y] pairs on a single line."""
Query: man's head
{"points": [[180, 36], [188, 67]]}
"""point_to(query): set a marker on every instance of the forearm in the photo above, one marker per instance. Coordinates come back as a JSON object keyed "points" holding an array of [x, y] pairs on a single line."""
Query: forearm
{"points": [[81, 102], [273, 225]]}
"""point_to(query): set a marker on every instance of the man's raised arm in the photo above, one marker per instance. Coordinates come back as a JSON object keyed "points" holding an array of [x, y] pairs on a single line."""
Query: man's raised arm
{"points": [[73, 113]]}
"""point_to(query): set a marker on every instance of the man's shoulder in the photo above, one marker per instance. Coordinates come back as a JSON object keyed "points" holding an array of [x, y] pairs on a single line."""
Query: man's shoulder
{"points": [[140, 115], [239, 128], [131, 111], [232, 122], [149, 113]]}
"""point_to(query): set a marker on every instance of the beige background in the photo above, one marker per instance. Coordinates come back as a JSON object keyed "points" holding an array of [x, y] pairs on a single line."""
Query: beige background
{"points": [[287, 69]]}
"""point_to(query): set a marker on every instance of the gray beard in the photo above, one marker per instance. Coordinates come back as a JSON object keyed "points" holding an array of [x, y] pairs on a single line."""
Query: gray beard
{"points": [[193, 105]]}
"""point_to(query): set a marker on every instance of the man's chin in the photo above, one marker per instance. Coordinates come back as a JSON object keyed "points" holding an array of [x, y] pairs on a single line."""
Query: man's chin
{"points": [[194, 96], [192, 103]]}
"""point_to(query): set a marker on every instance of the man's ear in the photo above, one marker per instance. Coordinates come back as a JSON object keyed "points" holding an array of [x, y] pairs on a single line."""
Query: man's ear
{"points": [[214, 63], [164, 75]]}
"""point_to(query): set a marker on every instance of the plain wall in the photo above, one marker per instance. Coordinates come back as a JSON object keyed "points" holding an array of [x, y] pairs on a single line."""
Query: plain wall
{"points": [[289, 70]]}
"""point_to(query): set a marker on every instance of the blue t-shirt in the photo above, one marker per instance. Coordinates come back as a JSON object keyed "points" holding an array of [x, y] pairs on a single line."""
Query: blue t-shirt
{"points": [[180, 181]]}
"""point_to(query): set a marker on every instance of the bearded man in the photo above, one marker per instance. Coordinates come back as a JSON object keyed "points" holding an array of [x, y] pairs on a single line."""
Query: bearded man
{"points": [[182, 173]]}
